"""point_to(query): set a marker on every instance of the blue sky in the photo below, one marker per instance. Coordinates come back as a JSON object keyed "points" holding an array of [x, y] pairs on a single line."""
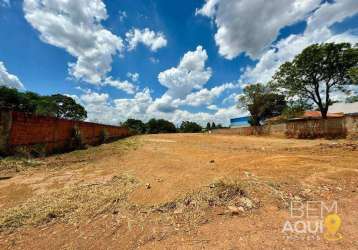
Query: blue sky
{"points": [[178, 60]]}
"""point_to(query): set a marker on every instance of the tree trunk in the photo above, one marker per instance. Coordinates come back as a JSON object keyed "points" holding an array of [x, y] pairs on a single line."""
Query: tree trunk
{"points": [[324, 112]]}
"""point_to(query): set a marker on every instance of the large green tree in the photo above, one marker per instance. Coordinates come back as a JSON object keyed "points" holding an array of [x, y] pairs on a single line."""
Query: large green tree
{"points": [[352, 99], [66, 107], [56, 105], [135, 126], [261, 103], [154, 126], [12, 99], [190, 127], [317, 72]]}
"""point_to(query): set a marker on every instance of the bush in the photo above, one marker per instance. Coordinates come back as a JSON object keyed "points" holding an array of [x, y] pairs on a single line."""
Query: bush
{"points": [[134, 126], [104, 136], [190, 127], [154, 126], [76, 139]]}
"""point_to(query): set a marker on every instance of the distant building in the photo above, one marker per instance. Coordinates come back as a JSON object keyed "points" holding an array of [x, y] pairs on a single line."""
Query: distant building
{"points": [[239, 122], [345, 108]]}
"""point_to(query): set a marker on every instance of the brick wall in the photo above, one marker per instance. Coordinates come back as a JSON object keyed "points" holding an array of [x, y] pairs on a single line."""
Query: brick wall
{"points": [[5, 127], [52, 134], [314, 128], [352, 126], [317, 128]]}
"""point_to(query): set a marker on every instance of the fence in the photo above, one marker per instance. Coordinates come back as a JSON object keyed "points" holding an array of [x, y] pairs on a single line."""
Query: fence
{"points": [[21, 130], [346, 126]]}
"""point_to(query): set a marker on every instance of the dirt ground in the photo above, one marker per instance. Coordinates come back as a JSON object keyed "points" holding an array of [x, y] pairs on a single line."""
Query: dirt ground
{"points": [[181, 191]]}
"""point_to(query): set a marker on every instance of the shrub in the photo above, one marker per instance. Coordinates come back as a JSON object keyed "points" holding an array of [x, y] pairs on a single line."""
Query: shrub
{"points": [[190, 127], [104, 136], [76, 139], [155, 126]]}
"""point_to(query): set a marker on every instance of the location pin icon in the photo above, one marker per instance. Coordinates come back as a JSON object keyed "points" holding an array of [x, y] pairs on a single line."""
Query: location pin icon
{"points": [[332, 224]]}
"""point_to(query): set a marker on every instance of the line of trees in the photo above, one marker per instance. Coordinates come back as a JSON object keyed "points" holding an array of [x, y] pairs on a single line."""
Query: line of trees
{"points": [[58, 105], [156, 126], [307, 82]]}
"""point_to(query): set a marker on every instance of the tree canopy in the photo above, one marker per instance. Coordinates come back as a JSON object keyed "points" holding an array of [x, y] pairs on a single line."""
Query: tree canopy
{"points": [[190, 127], [135, 126], [59, 106], [261, 102], [154, 126], [66, 107], [318, 71], [352, 99]]}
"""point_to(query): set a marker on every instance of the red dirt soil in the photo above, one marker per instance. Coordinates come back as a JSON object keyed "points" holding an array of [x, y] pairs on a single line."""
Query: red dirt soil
{"points": [[169, 167]]}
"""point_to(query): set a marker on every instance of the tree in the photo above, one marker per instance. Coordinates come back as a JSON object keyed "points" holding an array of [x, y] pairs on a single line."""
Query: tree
{"points": [[353, 74], [213, 126], [208, 126], [66, 107], [56, 105], [45, 106], [12, 99], [154, 126], [352, 99], [190, 127], [317, 72], [135, 126], [219, 126], [261, 102], [295, 109]]}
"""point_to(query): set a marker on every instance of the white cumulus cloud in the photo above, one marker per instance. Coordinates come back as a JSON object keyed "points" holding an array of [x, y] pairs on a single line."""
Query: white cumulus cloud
{"points": [[125, 85], [76, 27], [149, 38], [207, 96], [102, 109], [9, 80], [133, 76], [188, 75], [317, 31], [251, 26], [95, 98]]}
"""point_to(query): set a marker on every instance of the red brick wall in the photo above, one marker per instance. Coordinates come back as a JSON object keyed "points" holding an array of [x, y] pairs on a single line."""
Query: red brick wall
{"points": [[54, 133]]}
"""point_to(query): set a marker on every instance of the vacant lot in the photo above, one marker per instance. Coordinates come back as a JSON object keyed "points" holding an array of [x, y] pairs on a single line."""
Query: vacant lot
{"points": [[178, 192]]}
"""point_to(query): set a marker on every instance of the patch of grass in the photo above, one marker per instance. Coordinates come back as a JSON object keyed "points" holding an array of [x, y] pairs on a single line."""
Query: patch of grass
{"points": [[219, 193], [113, 147], [196, 208], [95, 153], [18, 164], [70, 204]]}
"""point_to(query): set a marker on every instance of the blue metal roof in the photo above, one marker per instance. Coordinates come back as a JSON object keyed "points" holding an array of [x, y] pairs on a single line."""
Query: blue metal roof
{"points": [[240, 122], [239, 119]]}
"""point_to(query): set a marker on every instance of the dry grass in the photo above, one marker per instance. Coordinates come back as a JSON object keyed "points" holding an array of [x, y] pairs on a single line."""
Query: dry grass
{"points": [[219, 193], [96, 153], [70, 204], [76, 203], [88, 201], [18, 164], [198, 207]]}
